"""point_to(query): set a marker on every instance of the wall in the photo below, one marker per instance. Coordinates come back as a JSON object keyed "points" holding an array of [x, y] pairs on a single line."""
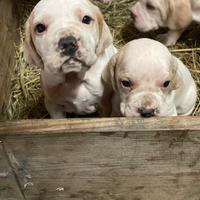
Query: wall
{"points": [[9, 36]]}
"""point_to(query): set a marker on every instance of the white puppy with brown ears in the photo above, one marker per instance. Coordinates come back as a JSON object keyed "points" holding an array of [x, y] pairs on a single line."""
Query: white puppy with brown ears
{"points": [[72, 44], [145, 79], [173, 14]]}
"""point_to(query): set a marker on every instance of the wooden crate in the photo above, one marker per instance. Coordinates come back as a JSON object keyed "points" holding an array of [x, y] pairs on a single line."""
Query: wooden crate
{"points": [[100, 159], [92, 159]]}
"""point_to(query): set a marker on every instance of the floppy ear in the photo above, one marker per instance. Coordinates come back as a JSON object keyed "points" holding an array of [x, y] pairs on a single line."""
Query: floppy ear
{"points": [[105, 37], [109, 83], [108, 74], [180, 14], [176, 77], [164, 10], [30, 53]]}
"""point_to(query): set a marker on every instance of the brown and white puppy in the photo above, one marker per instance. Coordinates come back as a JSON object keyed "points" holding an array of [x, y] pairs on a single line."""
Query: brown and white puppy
{"points": [[173, 14], [72, 44], [145, 79]]}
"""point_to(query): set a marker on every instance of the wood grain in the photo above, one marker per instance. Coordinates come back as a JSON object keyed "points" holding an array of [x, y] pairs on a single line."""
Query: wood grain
{"points": [[98, 166], [9, 37], [9, 188], [84, 125], [105, 158]]}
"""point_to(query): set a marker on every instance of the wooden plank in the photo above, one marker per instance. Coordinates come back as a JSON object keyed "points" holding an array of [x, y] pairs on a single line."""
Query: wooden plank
{"points": [[9, 188], [9, 37], [98, 166], [83, 125]]}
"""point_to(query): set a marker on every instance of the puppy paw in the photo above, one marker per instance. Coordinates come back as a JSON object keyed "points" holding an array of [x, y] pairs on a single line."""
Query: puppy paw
{"points": [[166, 39], [92, 109]]}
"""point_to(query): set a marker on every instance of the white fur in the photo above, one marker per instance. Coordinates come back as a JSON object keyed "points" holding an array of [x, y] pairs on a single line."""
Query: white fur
{"points": [[173, 14], [70, 84], [148, 64]]}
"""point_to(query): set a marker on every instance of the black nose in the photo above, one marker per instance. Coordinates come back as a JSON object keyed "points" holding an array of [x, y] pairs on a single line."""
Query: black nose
{"points": [[144, 112], [68, 45]]}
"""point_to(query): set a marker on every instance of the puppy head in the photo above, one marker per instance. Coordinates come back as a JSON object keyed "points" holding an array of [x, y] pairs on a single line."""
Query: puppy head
{"points": [[152, 14], [144, 74], [65, 35]]}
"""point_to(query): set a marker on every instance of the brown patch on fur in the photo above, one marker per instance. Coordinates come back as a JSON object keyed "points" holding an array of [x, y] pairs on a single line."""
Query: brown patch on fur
{"points": [[109, 82], [108, 75], [105, 37], [164, 12], [147, 101], [175, 79], [79, 13], [105, 108], [30, 51], [180, 14]]}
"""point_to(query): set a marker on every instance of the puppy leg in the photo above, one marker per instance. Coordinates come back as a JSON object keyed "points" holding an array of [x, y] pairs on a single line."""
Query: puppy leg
{"points": [[55, 111], [170, 38]]}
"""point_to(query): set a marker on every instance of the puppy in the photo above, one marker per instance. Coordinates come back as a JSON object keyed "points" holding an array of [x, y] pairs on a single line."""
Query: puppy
{"points": [[72, 44], [144, 79], [173, 14]]}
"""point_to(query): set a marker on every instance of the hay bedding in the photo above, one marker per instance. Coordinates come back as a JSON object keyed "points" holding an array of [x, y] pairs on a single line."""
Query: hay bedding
{"points": [[26, 99]]}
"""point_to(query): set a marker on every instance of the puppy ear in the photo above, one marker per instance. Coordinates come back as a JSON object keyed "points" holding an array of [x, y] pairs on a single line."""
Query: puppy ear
{"points": [[108, 74], [30, 53], [165, 10], [176, 78], [108, 79], [180, 14], [105, 37]]}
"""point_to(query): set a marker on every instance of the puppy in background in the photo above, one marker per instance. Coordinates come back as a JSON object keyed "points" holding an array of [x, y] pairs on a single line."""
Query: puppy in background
{"points": [[145, 79], [72, 44], [173, 14]]}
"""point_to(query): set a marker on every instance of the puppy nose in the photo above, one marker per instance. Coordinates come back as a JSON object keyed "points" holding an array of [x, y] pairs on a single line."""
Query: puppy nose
{"points": [[68, 45], [144, 112]]}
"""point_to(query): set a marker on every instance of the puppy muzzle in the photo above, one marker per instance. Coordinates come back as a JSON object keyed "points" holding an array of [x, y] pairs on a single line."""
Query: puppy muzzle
{"points": [[68, 49], [141, 104], [76, 51]]}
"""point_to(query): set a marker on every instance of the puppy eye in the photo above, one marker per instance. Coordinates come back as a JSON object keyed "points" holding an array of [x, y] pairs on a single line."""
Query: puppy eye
{"points": [[166, 84], [86, 19], [40, 28], [126, 83], [150, 6]]}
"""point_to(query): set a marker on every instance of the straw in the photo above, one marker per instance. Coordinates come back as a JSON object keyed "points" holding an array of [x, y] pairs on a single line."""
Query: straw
{"points": [[26, 99]]}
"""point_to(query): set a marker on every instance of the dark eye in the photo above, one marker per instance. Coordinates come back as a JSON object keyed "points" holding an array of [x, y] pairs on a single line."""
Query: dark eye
{"points": [[166, 84], [150, 6], [86, 19], [40, 28], [126, 83]]}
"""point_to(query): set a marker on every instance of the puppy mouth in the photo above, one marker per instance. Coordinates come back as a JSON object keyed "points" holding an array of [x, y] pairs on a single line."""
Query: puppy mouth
{"points": [[73, 61], [73, 64]]}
